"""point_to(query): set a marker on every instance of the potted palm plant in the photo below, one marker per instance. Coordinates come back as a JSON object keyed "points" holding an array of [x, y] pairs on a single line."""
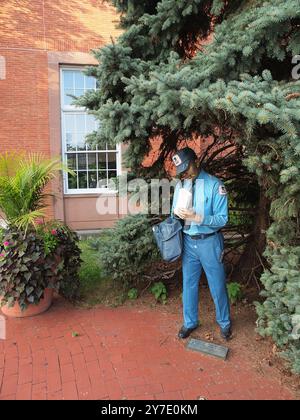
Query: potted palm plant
{"points": [[36, 257]]}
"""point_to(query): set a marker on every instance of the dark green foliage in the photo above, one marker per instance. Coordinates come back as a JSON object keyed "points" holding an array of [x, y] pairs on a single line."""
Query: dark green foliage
{"points": [[234, 292], [28, 264], [25, 272], [159, 79], [133, 294], [282, 290], [128, 250], [160, 293], [69, 252], [244, 213]]}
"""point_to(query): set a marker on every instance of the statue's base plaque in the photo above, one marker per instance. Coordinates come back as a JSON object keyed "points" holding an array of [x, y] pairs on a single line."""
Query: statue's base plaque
{"points": [[208, 348]]}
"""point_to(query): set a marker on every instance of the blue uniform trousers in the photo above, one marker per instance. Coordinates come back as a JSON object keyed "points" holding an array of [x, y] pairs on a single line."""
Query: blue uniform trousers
{"points": [[204, 254]]}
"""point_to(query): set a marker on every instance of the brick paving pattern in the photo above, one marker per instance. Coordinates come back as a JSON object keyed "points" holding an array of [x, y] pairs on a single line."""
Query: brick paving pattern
{"points": [[118, 353]]}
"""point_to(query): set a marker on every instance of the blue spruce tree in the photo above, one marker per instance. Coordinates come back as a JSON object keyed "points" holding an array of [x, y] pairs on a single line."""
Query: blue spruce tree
{"points": [[161, 79]]}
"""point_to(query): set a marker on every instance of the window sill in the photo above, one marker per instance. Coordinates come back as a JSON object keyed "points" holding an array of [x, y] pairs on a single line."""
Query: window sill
{"points": [[91, 194]]}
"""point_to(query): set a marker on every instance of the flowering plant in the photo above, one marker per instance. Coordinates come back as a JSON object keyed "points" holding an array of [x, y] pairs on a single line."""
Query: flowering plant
{"points": [[34, 255], [48, 257]]}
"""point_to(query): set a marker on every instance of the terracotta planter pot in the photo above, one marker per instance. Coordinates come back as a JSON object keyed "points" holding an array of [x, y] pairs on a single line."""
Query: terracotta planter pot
{"points": [[32, 310]]}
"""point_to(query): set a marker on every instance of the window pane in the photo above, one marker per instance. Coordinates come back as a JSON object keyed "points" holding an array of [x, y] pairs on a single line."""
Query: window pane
{"points": [[71, 142], [82, 176], [102, 176], [92, 179], [67, 99], [80, 122], [112, 181], [112, 174], [112, 160], [81, 141], [79, 92], [79, 80], [68, 79], [75, 82], [92, 161], [102, 161], [82, 161], [90, 123], [72, 161], [72, 182], [69, 123], [90, 82], [90, 146]]}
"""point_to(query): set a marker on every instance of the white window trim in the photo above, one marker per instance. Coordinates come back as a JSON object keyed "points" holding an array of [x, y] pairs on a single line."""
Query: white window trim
{"points": [[81, 110]]}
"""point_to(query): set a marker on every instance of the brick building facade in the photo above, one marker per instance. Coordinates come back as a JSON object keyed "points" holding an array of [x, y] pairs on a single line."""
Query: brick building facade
{"points": [[45, 44]]}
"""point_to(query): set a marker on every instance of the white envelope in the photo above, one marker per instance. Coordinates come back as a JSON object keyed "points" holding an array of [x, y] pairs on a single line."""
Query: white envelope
{"points": [[184, 200]]}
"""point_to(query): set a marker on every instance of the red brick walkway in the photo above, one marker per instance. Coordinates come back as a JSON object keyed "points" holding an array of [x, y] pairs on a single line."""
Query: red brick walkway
{"points": [[120, 353]]}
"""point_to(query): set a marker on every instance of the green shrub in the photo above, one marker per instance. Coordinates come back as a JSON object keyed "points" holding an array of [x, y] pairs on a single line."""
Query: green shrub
{"points": [[129, 249], [133, 294], [69, 252], [159, 290], [234, 292], [278, 314]]}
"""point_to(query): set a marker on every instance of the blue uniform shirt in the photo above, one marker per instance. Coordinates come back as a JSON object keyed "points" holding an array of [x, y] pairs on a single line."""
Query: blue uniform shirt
{"points": [[210, 200]]}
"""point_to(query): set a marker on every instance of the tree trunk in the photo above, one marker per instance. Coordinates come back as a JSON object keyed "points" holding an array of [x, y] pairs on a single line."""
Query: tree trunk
{"points": [[252, 263]]}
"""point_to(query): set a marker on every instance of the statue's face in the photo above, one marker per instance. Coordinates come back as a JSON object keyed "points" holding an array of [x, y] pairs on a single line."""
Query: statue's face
{"points": [[190, 173]]}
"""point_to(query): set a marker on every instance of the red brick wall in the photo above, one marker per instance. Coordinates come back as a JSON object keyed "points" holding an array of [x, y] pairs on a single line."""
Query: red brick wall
{"points": [[24, 102], [28, 31], [56, 25]]}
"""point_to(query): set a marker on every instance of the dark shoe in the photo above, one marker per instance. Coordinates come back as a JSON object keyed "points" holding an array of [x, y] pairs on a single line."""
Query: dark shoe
{"points": [[226, 334], [185, 332]]}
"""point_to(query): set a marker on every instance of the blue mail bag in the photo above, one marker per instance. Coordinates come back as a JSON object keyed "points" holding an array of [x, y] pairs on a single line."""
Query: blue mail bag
{"points": [[168, 235]]}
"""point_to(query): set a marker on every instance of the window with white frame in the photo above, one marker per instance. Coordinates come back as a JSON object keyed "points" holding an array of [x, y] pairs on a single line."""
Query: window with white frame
{"points": [[93, 167]]}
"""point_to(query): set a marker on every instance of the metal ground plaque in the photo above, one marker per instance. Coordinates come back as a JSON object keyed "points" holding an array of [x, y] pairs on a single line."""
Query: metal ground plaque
{"points": [[208, 348]]}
